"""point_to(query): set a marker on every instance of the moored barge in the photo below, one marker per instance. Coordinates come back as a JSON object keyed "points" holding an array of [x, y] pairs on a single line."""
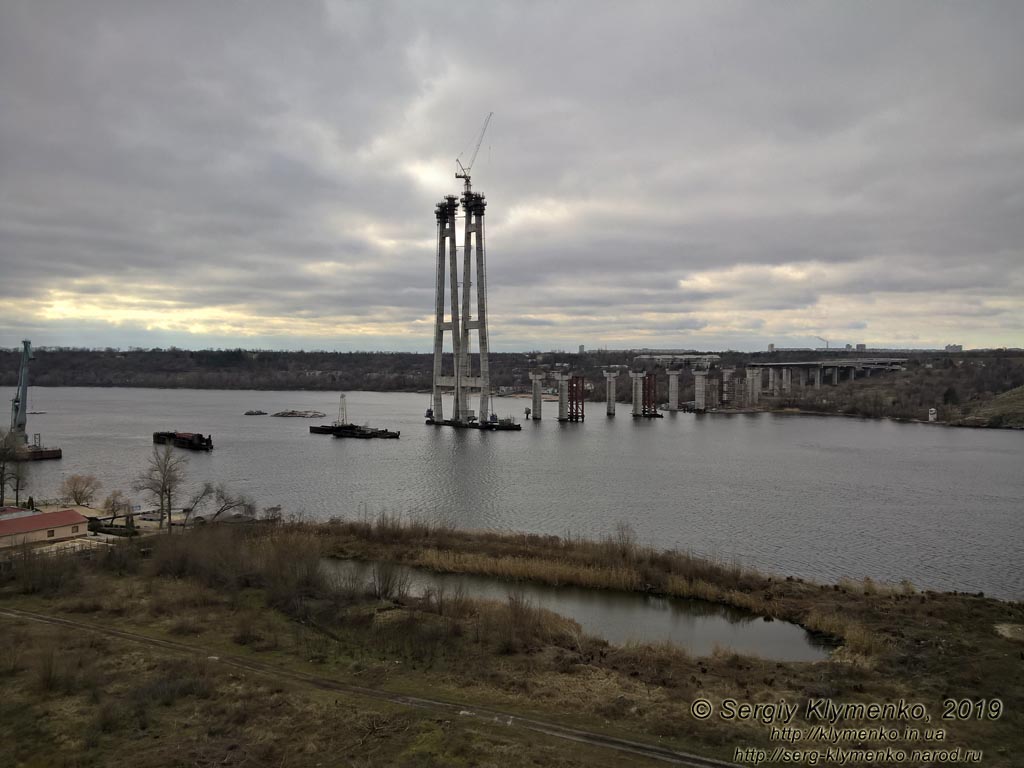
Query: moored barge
{"points": [[192, 441]]}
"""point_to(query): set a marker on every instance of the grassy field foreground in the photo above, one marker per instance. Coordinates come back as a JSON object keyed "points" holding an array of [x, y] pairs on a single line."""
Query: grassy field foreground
{"points": [[72, 697]]}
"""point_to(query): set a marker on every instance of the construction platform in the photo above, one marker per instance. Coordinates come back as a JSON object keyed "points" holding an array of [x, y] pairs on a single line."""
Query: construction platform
{"points": [[502, 425], [33, 453]]}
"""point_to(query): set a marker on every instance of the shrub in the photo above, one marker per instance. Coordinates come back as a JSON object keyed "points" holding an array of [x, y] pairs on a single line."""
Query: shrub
{"points": [[390, 581]]}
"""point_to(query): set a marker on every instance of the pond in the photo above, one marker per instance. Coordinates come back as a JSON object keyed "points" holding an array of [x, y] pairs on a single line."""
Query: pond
{"points": [[697, 626]]}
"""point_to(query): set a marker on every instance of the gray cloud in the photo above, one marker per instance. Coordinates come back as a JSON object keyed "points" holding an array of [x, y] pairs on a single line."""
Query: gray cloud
{"points": [[264, 174]]}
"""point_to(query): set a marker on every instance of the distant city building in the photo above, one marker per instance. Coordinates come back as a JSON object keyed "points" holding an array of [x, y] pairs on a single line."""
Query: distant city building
{"points": [[771, 347], [862, 347], [954, 347], [581, 349]]}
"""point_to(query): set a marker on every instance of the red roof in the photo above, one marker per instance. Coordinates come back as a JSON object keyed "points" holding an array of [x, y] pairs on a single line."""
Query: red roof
{"points": [[45, 520]]}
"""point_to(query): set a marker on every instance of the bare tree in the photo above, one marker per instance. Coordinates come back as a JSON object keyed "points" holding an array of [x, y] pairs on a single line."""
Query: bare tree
{"points": [[224, 500], [162, 478], [8, 460], [117, 504], [17, 479], [80, 489]]}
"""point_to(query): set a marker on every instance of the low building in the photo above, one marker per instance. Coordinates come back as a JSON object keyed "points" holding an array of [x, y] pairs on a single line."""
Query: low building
{"points": [[45, 527]]}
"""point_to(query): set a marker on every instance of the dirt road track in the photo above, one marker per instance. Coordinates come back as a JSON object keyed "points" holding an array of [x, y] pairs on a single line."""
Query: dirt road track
{"points": [[455, 709]]}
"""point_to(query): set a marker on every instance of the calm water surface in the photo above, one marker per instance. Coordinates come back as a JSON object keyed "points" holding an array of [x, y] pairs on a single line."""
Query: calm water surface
{"points": [[696, 625], [815, 497]]}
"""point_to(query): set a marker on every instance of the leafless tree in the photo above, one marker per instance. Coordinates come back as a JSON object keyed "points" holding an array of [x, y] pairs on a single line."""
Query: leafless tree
{"points": [[162, 478], [224, 500], [17, 479], [8, 450], [117, 504], [80, 489]]}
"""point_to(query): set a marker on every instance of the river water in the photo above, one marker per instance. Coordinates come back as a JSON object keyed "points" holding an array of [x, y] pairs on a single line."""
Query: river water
{"points": [[815, 497]]}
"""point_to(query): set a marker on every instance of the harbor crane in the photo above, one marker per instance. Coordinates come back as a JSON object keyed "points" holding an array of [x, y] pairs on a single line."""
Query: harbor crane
{"points": [[819, 338], [19, 403], [463, 172]]}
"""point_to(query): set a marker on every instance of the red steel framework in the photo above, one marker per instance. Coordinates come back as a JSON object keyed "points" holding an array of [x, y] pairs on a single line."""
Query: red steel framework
{"points": [[650, 400], [576, 398]]}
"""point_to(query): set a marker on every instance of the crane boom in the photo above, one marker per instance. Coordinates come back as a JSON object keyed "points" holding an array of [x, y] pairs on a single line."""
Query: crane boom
{"points": [[819, 338], [463, 172]]}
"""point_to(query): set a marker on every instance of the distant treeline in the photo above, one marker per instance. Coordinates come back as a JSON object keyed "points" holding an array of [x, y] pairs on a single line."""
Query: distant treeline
{"points": [[957, 383]]}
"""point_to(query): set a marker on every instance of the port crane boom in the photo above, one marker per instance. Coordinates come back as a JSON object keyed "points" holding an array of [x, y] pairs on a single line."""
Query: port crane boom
{"points": [[19, 404], [463, 172], [819, 338]]}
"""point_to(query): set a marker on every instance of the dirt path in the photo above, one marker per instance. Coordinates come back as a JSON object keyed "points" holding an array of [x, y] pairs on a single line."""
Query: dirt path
{"points": [[506, 719]]}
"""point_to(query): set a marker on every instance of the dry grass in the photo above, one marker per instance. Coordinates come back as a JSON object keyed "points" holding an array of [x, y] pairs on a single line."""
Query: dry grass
{"points": [[46, 574], [854, 635], [870, 588], [186, 625], [556, 573], [615, 562]]}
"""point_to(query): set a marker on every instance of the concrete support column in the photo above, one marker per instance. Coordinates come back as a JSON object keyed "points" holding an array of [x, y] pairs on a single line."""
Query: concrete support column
{"points": [[609, 383], [673, 390], [835, 375], [771, 381], [753, 386], [563, 394], [727, 386], [802, 377], [537, 379], [787, 379], [638, 392], [819, 372], [700, 379]]}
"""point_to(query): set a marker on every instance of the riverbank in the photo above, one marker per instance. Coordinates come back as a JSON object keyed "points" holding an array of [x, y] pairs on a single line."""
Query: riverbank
{"points": [[258, 592]]}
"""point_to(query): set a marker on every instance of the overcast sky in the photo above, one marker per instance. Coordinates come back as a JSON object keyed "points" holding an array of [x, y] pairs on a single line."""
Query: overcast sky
{"points": [[710, 174]]}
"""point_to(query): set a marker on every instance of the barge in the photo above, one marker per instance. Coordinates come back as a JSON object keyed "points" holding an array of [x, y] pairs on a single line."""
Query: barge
{"points": [[341, 427], [36, 453], [493, 424], [192, 441]]}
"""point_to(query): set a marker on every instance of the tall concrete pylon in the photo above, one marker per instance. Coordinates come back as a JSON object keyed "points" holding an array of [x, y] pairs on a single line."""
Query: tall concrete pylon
{"points": [[473, 205], [462, 382], [446, 382]]}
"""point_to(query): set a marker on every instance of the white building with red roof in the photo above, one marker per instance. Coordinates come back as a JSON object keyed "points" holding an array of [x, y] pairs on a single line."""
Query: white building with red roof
{"points": [[44, 527]]}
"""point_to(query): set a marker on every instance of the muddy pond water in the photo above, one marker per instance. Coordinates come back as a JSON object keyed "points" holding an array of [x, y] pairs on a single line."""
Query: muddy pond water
{"points": [[620, 617]]}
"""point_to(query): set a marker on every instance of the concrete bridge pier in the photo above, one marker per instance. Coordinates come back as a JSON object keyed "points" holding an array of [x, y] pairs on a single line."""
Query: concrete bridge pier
{"points": [[563, 394], [537, 378], [638, 391], [835, 375], [727, 387], [753, 385], [609, 381], [673, 390], [700, 381]]}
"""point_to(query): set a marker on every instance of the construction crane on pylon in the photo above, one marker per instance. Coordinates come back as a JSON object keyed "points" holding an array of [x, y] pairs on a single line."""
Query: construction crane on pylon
{"points": [[819, 338], [463, 172]]}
